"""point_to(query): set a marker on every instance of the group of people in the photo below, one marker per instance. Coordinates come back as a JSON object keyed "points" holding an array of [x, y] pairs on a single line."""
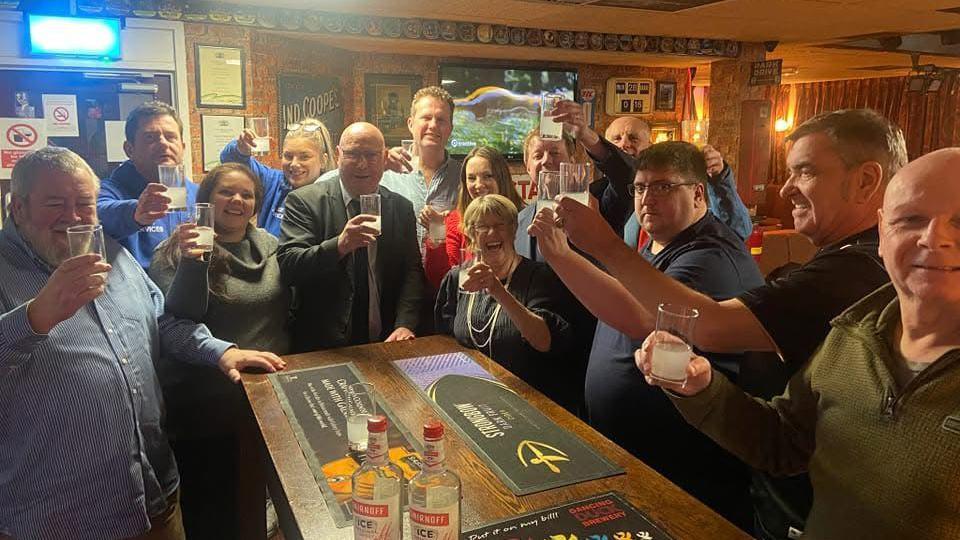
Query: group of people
{"points": [[92, 351]]}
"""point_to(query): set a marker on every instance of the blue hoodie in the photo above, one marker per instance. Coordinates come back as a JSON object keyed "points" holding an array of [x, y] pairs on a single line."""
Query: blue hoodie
{"points": [[116, 206], [275, 187]]}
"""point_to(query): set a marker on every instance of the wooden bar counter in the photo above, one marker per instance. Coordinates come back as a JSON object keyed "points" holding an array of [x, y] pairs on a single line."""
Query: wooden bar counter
{"points": [[303, 511]]}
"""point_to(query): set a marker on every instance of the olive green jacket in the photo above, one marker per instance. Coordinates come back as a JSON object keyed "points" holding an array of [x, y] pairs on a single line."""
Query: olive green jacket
{"points": [[884, 461]]}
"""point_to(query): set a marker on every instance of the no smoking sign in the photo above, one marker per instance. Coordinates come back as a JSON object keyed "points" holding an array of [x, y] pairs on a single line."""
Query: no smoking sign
{"points": [[61, 114]]}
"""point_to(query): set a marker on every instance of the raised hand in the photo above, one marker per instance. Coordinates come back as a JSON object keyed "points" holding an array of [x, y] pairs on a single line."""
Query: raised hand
{"points": [[550, 238], [186, 236], [356, 234], [571, 114], [72, 285], [584, 226], [398, 160], [246, 142], [699, 372], [152, 204], [714, 160]]}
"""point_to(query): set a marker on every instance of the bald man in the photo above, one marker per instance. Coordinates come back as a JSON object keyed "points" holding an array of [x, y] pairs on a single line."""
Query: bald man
{"points": [[873, 416], [356, 284], [614, 154]]}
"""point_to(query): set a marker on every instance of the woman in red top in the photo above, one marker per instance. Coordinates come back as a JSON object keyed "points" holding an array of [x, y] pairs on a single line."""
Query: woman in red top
{"points": [[484, 171]]}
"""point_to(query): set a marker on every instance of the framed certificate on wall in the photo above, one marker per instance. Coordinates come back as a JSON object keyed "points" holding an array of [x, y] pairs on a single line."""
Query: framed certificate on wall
{"points": [[216, 132], [220, 75]]}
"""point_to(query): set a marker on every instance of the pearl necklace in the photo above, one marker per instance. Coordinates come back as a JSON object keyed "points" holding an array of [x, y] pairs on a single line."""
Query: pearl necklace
{"points": [[491, 323]]}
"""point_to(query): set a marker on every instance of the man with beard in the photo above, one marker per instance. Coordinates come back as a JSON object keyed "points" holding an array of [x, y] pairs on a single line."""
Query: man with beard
{"points": [[84, 454]]}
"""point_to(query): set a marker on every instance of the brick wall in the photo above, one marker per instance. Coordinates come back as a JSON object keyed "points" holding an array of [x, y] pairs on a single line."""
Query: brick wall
{"points": [[268, 54], [728, 88]]}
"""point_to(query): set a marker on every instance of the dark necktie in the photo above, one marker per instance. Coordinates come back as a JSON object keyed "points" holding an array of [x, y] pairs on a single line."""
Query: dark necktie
{"points": [[359, 312]]}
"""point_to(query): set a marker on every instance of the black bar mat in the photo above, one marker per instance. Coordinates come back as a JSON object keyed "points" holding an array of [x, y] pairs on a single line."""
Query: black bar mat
{"points": [[314, 402], [527, 450]]}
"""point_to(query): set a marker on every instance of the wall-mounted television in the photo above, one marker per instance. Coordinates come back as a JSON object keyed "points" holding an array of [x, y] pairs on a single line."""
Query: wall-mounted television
{"points": [[49, 35], [497, 106]]}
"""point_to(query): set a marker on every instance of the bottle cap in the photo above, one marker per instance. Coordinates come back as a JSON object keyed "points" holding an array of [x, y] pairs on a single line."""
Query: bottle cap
{"points": [[433, 430], [377, 424]]}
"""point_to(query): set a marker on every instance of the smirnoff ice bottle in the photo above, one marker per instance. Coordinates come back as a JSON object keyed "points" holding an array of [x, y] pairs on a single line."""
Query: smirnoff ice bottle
{"points": [[376, 489], [434, 492]]}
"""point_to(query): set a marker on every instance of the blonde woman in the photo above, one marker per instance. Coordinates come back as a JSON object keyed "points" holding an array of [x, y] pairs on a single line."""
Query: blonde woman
{"points": [[484, 171], [307, 154], [509, 307]]}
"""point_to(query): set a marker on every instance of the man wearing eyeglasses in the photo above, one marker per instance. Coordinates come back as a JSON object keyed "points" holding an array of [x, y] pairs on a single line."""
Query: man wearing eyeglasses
{"points": [[687, 243], [357, 283], [614, 154]]}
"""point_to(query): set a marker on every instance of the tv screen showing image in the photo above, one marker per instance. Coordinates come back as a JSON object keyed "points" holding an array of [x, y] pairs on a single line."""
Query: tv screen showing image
{"points": [[497, 106]]}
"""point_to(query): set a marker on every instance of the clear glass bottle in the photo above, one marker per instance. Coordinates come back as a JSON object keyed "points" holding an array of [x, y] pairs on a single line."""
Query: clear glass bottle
{"points": [[376, 489], [434, 492]]}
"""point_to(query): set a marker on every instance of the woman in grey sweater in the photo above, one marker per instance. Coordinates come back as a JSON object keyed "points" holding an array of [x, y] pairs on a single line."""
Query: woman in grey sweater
{"points": [[236, 291]]}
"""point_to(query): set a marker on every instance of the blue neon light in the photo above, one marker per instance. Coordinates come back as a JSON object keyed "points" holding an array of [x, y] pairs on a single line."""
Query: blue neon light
{"points": [[73, 36]]}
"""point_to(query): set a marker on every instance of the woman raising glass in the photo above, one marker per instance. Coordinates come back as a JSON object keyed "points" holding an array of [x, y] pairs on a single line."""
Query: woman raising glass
{"points": [[307, 154], [507, 307]]}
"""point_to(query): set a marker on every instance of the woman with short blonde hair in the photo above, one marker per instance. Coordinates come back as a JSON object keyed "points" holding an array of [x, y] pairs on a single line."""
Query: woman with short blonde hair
{"points": [[507, 306]]}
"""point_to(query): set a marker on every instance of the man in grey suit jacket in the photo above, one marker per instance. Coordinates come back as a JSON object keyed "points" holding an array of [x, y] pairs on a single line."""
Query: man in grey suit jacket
{"points": [[354, 284]]}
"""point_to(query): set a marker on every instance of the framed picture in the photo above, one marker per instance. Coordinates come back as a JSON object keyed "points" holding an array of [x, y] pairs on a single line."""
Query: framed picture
{"points": [[666, 99], [387, 103], [220, 76], [216, 132], [664, 132]]}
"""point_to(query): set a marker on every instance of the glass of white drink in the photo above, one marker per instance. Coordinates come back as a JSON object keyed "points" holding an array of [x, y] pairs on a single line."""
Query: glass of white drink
{"points": [[437, 232], [574, 182], [361, 405], [203, 217], [672, 350], [548, 128], [548, 187], [174, 178], [370, 205], [468, 258]]}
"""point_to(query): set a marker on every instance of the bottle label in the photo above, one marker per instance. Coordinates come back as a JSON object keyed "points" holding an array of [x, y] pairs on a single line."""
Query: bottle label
{"points": [[377, 447], [433, 455], [377, 519], [435, 523]]}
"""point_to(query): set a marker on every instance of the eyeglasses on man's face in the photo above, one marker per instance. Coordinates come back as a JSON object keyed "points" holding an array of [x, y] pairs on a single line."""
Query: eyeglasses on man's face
{"points": [[657, 189]]}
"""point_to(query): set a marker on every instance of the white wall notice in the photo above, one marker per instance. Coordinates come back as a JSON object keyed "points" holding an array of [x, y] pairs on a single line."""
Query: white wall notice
{"points": [[60, 113]]}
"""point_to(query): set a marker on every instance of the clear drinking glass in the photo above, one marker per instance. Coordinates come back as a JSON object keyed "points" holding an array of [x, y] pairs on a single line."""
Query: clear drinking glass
{"points": [[548, 128], [672, 345], [370, 205], [574, 182], [361, 405], [468, 258], [175, 179], [548, 187], [84, 239], [260, 126], [203, 217], [410, 147], [437, 232]]}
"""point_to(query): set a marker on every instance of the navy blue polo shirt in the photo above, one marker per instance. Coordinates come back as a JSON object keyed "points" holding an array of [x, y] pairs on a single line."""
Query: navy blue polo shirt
{"points": [[708, 257]]}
